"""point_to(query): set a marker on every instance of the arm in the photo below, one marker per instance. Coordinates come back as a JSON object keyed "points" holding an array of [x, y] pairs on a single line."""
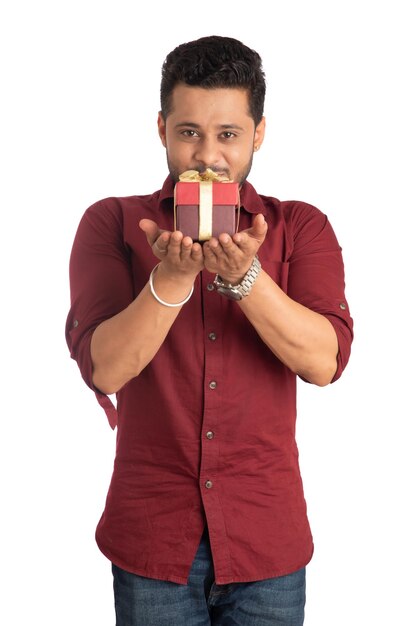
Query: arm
{"points": [[124, 344], [305, 341]]}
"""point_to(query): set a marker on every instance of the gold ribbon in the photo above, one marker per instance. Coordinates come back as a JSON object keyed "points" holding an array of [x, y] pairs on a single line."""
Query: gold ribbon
{"points": [[193, 176], [205, 210], [205, 181]]}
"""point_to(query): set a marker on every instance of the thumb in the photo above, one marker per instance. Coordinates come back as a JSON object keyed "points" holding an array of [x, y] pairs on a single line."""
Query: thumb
{"points": [[259, 225], [150, 229]]}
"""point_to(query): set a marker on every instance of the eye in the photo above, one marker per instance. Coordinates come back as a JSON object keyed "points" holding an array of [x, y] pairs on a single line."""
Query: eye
{"points": [[228, 135], [189, 133]]}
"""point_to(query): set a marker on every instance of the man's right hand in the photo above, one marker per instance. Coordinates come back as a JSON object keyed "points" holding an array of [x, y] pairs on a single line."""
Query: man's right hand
{"points": [[124, 344], [178, 254]]}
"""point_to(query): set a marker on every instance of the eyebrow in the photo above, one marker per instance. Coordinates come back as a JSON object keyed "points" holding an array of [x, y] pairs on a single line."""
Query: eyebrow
{"points": [[221, 126]]}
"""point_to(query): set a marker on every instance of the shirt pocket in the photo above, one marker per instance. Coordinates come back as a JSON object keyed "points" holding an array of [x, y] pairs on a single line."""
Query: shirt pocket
{"points": [[278, 271]]}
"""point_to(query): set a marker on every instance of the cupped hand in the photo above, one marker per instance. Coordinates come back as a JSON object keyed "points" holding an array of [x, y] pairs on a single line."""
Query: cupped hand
{"points": [[231, 257], [177, 254]]}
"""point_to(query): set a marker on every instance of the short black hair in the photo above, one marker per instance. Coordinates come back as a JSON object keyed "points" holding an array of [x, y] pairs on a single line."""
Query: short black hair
{"points": [[212, 62]]}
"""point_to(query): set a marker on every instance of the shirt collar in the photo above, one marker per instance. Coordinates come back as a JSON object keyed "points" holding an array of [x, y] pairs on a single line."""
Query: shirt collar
{"points": [[249, 198]]}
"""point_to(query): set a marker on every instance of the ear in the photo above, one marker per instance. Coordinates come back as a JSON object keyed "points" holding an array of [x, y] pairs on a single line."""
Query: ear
{"points": [[259, 133], [162, 129]]}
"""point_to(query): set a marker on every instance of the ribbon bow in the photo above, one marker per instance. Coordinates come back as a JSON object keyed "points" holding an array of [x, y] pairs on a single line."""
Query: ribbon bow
{"points": [[193, 176]]}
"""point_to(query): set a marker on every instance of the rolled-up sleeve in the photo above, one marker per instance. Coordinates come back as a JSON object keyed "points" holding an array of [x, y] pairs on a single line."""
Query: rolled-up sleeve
{"points": [[316, 276], [100, 283]]}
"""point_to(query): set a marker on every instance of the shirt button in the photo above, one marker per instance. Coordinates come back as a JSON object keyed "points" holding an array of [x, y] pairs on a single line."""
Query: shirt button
{"points": [[210, 434], [75, 323], [208, 484], [210, 287], [213, 384], [343, 306], [212, 336]]}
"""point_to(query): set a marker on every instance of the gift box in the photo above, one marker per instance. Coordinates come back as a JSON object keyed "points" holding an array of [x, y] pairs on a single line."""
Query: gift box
{"points": [[205, 208]]}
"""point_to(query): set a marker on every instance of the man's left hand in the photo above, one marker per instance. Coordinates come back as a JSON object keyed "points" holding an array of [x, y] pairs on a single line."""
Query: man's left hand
{"points": [[231, 257]]}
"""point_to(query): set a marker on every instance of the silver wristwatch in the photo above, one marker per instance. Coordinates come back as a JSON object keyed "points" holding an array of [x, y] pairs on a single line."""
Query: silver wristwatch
{"points": [[238, 292]]}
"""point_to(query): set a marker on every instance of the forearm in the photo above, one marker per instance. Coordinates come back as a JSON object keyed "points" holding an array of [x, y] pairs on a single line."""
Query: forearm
{"points": [[122, 346], [303, 340]]}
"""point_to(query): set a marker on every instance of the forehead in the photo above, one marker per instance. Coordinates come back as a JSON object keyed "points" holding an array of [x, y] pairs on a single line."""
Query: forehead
{"points": [[198, 103]]}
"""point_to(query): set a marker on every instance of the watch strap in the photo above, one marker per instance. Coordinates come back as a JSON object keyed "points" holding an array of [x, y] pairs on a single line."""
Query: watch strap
{"points": [[243, 288]]}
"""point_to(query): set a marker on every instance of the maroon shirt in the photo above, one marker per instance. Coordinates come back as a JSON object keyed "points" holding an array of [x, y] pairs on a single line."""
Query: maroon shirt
{"points": [[207, 430]]}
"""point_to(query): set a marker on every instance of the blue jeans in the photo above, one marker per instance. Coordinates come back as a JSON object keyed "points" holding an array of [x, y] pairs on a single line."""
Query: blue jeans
{"points": [[143, 601]]}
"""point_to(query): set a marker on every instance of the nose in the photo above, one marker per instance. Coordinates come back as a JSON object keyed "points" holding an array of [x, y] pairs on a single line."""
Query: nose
{"points": [[207, 152]]}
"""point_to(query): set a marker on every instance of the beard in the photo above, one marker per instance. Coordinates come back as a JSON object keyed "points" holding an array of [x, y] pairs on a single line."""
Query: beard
{"points": [[239, 178]]}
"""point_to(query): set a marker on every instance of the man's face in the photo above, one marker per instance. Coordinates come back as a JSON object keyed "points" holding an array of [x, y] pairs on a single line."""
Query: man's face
{"points": [[210, 128]]}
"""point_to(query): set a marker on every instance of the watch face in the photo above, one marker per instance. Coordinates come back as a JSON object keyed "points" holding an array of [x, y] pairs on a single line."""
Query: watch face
{"points": [[232, 294]]}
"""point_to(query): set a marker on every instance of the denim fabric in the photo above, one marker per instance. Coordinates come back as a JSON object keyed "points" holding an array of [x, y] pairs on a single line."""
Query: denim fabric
{"points": [[143, 601]]}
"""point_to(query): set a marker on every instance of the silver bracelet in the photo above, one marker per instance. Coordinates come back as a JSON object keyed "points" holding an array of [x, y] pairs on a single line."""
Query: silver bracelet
{"points": [[151, 286]]}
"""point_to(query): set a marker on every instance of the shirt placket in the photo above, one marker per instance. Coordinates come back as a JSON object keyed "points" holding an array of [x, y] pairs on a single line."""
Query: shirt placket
{"points": [[210, 477]]}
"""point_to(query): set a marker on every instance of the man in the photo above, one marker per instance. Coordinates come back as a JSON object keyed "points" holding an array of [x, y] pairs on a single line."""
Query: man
{"points": [[205, 520]]}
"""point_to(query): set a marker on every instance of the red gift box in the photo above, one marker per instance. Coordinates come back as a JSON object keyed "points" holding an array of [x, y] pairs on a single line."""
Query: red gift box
{"points": [[206, 209]]}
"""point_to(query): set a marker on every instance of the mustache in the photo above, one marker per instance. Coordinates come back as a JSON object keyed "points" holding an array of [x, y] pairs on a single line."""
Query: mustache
{"points": [[218, 170]]}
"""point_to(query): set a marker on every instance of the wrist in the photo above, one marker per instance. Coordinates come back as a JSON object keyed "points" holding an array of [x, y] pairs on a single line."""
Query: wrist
{"points": [[168, 290], [234, 279], [240, 290], [173, 277]]}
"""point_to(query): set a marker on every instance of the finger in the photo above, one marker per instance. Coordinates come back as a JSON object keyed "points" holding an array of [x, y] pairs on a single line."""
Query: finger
{"points": [[257, 231], [213, 246], [209, 253], [150, 229], [244, 242], [186, 248], [229, 247], [156, 237], [249, 241], [174, 245], [196, 252], [259, 226], [160, 245]]}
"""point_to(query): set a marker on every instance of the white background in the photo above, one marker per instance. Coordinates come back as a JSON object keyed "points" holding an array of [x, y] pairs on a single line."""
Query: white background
{"points": [[80, 95]]}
